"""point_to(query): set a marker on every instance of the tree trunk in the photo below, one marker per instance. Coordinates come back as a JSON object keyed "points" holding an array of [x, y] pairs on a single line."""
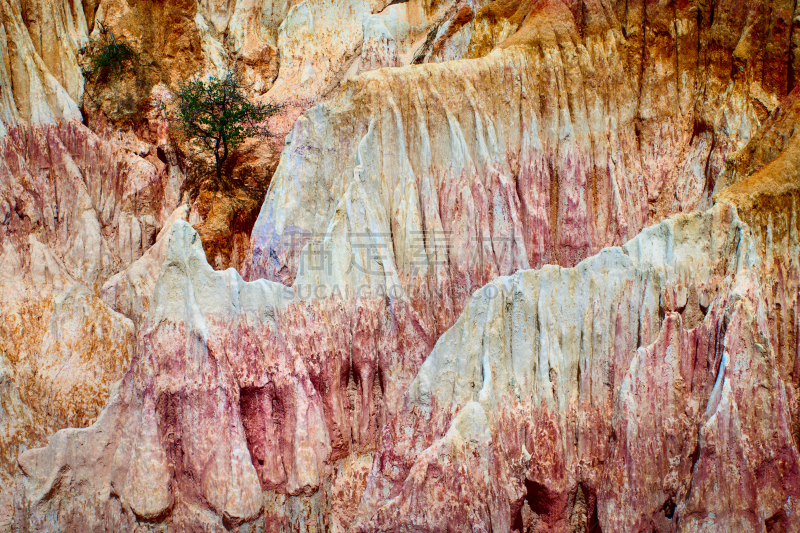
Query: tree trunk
{"points": [[219, 161]]}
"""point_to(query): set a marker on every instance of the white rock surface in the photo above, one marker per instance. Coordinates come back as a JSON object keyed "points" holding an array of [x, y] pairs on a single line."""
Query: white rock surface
{"points": [[634, 378]]}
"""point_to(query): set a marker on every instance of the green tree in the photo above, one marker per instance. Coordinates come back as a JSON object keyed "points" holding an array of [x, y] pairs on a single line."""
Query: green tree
{"points": [[215, 116]]}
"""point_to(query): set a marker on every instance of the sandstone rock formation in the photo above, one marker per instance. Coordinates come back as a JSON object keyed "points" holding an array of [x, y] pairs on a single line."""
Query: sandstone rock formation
{"points": [[464, 304], [81, 208], [230, 393], [636, 391], [75, 209], [571, 136]]}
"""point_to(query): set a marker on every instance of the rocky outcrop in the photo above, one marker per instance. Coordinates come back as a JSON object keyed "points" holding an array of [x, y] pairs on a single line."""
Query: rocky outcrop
{"points": [[235, 388], [768, 200], [573, 135], [130, 290], [619, 394], [230, 401], [75, 210], [680, 408], [531, 137], [87, 211], [291, 54], [29, 91]]}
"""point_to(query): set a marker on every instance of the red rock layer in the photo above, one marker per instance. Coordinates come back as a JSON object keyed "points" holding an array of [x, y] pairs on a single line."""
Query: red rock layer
{"points": [[75, 209], [602, 398], [589, 123], [584, 126]]}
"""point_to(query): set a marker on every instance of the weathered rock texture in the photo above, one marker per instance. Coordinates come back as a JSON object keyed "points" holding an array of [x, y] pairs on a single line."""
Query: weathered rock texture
{"points": [[544, 407], [573, 135], [233, 390], [636, 391], [82, 207], [652, 387], [640, 377], [75, 210]]}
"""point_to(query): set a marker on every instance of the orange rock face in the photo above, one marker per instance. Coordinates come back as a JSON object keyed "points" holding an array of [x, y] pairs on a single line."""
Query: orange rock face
{"points": [[518, 266]]}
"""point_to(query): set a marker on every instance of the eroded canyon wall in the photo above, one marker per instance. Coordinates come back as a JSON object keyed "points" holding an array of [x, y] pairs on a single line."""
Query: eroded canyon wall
{"points": [[572, 135], [91, 185], [311, 395], [638, 390]]}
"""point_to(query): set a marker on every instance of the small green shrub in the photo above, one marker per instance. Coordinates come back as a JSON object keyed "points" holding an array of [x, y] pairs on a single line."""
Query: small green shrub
{"points": [[112, 58]]}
